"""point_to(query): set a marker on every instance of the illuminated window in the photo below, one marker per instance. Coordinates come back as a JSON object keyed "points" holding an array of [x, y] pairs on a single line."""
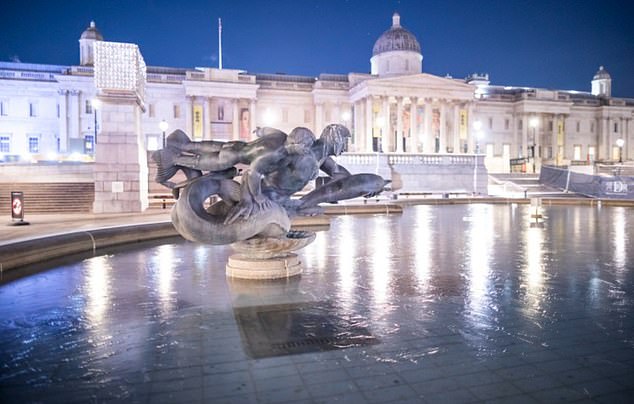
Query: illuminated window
{"points": [[34, 144], [576, 151], [5, 144]]}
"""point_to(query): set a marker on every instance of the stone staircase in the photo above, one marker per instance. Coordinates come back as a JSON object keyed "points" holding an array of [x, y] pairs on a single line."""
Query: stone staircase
{"points": [[55, 197]]}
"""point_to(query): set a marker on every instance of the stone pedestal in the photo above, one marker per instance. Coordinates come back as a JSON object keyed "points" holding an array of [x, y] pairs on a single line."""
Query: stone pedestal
{"points": [[268, 258], [243, 267], [121, 178]]}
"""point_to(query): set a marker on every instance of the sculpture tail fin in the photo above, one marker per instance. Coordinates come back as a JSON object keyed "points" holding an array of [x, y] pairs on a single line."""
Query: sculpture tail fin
{"points": [[164, 162], [164, 158]]}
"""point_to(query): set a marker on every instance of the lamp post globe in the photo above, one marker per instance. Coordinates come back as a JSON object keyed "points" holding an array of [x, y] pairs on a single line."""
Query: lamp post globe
{"points": [[620, 143]]}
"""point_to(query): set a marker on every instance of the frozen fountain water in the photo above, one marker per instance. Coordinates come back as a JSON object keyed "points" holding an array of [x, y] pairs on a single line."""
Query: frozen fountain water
{"points": [[454, 302]]}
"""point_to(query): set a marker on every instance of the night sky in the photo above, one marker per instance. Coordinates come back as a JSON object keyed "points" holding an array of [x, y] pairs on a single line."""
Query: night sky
{"points": [[556, 44]]}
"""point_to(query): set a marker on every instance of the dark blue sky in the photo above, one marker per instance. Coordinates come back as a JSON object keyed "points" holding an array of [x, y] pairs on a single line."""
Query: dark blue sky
{"points": [[550, 44]]}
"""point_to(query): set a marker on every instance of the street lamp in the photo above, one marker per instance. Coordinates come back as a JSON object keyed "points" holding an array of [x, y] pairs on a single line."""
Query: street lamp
{"points": [[163, 126], [477, 125], [620, 143], [96, 104], [533, 123]]}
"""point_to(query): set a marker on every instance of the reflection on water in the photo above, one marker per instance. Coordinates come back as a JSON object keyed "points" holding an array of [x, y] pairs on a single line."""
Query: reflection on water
{"points": [[478, 274]]}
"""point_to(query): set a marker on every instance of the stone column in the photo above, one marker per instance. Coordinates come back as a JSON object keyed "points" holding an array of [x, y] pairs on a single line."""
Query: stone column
{"points": [[356, 129], [470, 132], [456, 128], [206, 118], [515, 143], [235, 120], [386, 131], [525, 128], [369, 125], [121, 178], [399, 125], [443, 128], [189, 118], [63, 120], [319, 118], [604, 140], [252, 117], [429, 137], [414, 139]]}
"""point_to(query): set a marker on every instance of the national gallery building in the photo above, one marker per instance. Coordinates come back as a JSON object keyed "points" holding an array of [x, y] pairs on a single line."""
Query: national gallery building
{"points": [[48, 110]]}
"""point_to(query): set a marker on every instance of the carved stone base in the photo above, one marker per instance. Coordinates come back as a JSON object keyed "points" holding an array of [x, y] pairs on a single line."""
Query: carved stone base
{"points": [[244, 267]]}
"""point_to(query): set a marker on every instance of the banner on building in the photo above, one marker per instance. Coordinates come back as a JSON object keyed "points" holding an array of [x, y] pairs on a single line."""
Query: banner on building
{"points": [[463, 124], [198, 122]]}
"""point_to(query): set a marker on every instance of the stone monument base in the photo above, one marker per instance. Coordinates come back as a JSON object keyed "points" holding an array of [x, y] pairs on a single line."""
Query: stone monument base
{"points": [[268, 258], [244, 267]]}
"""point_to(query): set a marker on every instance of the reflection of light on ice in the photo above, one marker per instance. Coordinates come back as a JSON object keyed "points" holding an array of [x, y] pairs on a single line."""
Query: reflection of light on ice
{"points": [[422, 245], [97, 289], [346, 260], [380, 244], [162, 273], [619, 238], [480, 242]]}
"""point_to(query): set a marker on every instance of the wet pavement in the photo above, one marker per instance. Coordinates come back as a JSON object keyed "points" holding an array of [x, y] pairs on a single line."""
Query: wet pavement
{"points": [[454, 303]]}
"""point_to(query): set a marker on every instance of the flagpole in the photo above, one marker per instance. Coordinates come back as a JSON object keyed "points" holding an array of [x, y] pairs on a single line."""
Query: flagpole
{"points": [[219, 43]]}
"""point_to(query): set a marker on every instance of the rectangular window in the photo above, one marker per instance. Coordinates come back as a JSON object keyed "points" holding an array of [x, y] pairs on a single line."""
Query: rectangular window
{"points": [[32, 109], [578, 129], [89, 144], [177, 111], [592, 152], [150, 110], [5, 144], [88, 107], [550, 126], [221, 112], [490, 123], [519, 124], [34, 144], [616, 127], [58, 110], [506, 124], [576, 151], [307, 116], [592, 126], [4, 108]]}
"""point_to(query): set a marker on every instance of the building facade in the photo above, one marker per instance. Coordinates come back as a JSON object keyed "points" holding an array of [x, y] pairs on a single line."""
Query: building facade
{"points": [[47, 111]]}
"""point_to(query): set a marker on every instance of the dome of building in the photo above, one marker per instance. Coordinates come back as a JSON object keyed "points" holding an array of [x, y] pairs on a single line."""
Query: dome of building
{"points": [[396, 38], [602, 74], [91, 33]]}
